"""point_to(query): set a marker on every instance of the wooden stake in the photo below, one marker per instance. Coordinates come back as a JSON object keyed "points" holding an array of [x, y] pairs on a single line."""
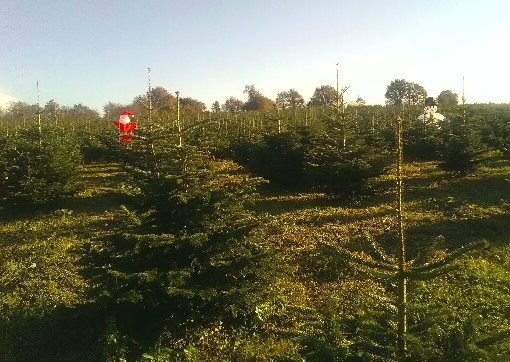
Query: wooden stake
{"points": [[39, 116], [402, 275], [179, 126]]}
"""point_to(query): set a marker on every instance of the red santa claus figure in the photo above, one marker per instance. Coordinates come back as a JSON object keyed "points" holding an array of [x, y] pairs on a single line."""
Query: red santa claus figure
{"points": [[125, 126]]}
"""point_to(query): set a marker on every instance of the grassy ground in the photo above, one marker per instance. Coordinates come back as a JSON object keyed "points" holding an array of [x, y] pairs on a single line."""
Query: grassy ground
{"points": [[43, 294], [42, 289], [437, 205]]}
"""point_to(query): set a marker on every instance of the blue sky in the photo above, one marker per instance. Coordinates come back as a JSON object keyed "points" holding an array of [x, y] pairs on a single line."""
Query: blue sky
{"points": [[92, 51]]}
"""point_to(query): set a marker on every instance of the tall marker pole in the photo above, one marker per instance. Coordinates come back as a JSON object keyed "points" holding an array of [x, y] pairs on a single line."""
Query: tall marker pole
{"points": [[179, 127], [149, 96], [39, 116], [463, 103], [402, 266], [337, 94]]}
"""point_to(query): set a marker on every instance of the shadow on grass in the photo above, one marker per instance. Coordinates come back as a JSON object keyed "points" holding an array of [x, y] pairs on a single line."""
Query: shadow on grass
{"points": [[97, 203], [102, 181], [323, 264], [109, 176], [64, 334], [457, 233], [81, 333], [449, 197], [279, 203], [27, 211], [289, 202], [348, 218]]}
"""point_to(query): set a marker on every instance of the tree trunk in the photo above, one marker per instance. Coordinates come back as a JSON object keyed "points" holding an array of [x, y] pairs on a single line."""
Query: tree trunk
{"points": [[402, 277]]}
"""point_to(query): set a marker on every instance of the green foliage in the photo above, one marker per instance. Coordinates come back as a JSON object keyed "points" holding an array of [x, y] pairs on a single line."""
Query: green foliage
{"points": [[461, 147], [489, 121], [422, 141], [447, 100], [495, 128], [324, 96], [310, 157], [36, 170], [401, 92], [191, 255], [256, 101], [41, 291], [464, 316], [101, 143], [188, 274], [341, 170], [277, 157], [324, 338]]}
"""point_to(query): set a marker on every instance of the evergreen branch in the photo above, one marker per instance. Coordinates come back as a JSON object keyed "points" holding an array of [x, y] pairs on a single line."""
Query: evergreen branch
{"points": [[422, 327], [493, 339], [377, 248], [376, 274], [435, 245], [372, 356], [353, 258], [451, 256], [137, 136], [386, 302], [428, 275]]}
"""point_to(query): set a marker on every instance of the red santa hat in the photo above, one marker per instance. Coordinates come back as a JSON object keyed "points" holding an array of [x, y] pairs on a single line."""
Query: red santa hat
{"points": [[124, 117]]}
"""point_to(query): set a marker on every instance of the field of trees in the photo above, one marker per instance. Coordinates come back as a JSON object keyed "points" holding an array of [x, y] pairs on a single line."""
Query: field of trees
{"points": [[260, 230]]}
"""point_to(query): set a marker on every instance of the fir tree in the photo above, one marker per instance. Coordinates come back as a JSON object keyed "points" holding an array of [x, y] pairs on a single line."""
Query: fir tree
{"points": [[341, 170], [422, 141], [36, 170], [383, 333], [192, 254], [461, 148]]}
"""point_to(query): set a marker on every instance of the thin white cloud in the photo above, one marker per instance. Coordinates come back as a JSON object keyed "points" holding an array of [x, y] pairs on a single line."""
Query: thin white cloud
{"points": [[6, 99]]}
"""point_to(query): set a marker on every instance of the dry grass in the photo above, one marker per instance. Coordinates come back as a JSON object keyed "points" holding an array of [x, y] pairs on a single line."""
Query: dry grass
{"points": [[436, 204]]}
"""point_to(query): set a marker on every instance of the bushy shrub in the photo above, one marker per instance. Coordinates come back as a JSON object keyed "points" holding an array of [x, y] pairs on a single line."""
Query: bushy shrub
{"points": [[343, 170], [247, 151], [422, 141], [277, 157], [193, 255], [501, 137], [39, 170], [461, 148]]}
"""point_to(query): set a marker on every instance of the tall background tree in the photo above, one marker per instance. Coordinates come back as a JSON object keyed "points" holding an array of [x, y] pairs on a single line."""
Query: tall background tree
{"points": [[401, 92], [289, 99], [22, 112], [232, 104], [216, 107], [51, 111], [112, 110], [192, 103], [256, 100], [164, 104], [80, 112], [324, 96], [447, 100]]}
